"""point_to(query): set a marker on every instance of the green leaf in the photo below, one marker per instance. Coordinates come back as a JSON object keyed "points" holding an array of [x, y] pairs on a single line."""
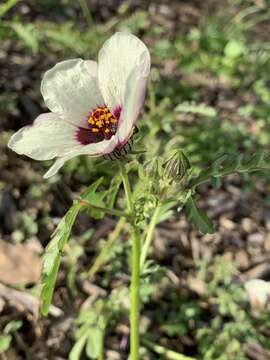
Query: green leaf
{"points": [[12, 326], [49, 280], [87, 316], [201, 109], [94, 342], [206, 174], [96, 198], [5, 342], [91, 191], [4, 8], [199, 218], [166, 210], [52, 256], [64, 36], [28, 34], [113, 190], [77, 349], [234, 48], [226, 165]]}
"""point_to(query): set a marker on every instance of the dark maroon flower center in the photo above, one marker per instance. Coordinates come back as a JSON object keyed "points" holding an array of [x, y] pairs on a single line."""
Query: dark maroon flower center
{"points": [[101, 125]]}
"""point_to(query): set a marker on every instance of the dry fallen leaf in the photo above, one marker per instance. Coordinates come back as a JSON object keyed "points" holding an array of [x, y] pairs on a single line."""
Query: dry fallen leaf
{"points": [[18, 264]]}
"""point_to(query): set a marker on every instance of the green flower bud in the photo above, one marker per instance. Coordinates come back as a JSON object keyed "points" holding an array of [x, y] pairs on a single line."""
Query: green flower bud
{"points": [[176, 166]]}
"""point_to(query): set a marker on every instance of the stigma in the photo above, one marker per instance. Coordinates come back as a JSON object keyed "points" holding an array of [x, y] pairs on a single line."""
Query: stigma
{"points": [[102, 123]]}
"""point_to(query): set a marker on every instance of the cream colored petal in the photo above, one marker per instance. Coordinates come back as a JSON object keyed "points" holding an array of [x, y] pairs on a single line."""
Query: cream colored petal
{"points": [[47, 138], [133, 101], [258, 291], [93, 150], [70, 89], [55, 167], [123, 59]]}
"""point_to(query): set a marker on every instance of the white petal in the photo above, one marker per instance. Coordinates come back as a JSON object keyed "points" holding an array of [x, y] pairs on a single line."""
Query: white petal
{"points": [[123, 59], [55, 167], [258, 291], [70, 89], [133, 101], [47, 138], [98, 149]]}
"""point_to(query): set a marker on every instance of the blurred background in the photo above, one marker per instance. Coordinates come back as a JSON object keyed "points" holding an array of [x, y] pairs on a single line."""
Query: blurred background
{"points": [[209, 93]]}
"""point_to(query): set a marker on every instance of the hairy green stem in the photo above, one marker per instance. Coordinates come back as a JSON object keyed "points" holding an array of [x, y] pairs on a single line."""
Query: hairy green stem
{"points": [[101, 349], [109, 211], [149, 235], [135, 296], [100, 355], [135, 270]]}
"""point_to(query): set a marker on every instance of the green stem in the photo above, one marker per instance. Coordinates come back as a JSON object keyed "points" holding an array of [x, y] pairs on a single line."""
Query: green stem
{"points": [[100, 355], [135, 296], [135, 270], [101, 349], [149, 235], [103, 325], [109, 211]]}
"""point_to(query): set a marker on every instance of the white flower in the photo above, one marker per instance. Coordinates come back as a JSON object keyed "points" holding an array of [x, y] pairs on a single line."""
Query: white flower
{"points": [[258, 291], [94, 106]]}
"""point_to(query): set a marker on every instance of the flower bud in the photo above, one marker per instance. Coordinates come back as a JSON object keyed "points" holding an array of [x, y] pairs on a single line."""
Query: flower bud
{"points": [[176, 166]]}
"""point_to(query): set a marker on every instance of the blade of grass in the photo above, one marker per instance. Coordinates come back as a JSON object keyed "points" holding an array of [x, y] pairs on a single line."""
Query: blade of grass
{"points": [[101, 258], [169, 354], [4, 8], [86, 13]]}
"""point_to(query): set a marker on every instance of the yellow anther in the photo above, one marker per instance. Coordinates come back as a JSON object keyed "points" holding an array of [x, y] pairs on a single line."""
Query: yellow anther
{"points": [[91, 121], [102, 122]]}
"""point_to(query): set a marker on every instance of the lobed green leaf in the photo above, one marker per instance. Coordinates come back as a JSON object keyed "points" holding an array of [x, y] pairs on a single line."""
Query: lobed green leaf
{"points": [[199, 218], [226, 165], [52, 256]]}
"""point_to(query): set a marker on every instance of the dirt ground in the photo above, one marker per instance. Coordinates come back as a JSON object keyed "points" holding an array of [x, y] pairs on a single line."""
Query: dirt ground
{"points": [[30, 208]]}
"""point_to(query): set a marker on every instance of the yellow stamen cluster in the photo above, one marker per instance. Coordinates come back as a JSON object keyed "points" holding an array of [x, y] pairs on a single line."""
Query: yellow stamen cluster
{"points": [[102, 122]]}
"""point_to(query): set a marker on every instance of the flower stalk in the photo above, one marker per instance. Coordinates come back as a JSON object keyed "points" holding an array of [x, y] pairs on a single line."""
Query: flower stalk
{"points": [[135, 270], [135, 296], [149, 235]]}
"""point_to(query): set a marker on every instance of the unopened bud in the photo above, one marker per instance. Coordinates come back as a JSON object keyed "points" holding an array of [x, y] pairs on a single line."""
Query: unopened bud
{"points": [[177, 165]]}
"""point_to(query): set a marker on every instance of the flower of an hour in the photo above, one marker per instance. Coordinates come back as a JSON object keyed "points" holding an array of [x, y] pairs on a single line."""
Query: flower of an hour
{"points": [[94, 105]]}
